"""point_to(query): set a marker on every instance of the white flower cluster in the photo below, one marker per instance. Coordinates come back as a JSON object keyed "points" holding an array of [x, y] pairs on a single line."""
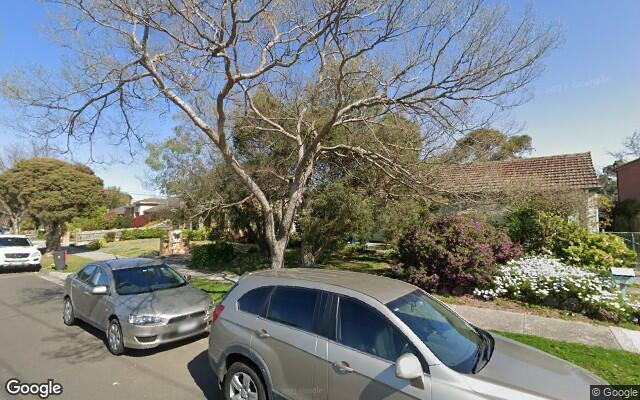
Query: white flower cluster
{"points": [[539, 278]]}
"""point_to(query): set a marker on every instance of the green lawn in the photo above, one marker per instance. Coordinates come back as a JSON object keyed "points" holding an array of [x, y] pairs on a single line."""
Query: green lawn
{"points": [[74, 262], [247, 259], [133, 248], [615, 366], [215, 289]]}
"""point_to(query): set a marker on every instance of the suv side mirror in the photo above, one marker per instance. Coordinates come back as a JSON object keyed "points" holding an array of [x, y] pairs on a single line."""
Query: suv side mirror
{"points": [[408, 367], [99, 290]]}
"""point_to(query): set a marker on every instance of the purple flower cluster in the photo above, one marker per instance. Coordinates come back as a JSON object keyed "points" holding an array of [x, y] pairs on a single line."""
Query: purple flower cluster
{"points": [[453, 253]]}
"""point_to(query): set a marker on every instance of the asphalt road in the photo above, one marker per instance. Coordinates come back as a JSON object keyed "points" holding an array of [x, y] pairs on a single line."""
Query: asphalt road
{"points": [[36, 346]]}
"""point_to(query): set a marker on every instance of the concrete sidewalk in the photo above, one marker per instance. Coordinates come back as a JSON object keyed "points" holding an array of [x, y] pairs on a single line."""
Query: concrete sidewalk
{"points": [[611, 337]]}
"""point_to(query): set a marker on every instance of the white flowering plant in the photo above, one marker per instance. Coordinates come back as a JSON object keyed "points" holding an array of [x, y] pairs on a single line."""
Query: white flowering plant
{"points": [[548, 281]]}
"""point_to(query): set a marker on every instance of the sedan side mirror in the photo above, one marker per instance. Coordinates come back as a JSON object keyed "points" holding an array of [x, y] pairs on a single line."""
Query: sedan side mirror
{"points": [[99, 290], [408, 367]]}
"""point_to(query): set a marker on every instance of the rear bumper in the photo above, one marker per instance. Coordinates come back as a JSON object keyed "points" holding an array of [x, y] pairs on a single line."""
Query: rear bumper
{"points": [[148, 337]]}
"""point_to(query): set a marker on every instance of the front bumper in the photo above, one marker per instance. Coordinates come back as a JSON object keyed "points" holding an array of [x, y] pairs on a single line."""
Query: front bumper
{"points": [[147, 337], [20, 263]]}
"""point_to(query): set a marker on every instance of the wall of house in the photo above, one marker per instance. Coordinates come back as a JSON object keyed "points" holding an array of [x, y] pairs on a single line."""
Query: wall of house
{"points": [[629, 181], [140, 209]]}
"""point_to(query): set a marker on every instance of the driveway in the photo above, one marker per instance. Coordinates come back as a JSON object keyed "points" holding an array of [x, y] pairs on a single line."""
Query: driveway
{"points": [[35, 346]]}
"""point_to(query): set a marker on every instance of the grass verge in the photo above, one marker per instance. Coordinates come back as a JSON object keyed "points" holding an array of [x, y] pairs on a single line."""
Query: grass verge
{"points": [[214, 289], [615, 366], [74, 262], [133, 248]]}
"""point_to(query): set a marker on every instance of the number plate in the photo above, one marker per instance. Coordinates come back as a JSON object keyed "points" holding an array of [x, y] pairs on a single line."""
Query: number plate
{"points": [[187, 326]]}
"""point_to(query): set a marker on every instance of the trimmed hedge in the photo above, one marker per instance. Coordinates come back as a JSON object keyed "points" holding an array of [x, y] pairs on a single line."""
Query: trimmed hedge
{"points": [[143, 234], [207, 255], [196, 235]]}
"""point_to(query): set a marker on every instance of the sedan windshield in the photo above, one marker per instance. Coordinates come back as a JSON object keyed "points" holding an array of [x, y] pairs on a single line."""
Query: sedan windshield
{"points": [[456, 343], [146, 279], [14, 241]]}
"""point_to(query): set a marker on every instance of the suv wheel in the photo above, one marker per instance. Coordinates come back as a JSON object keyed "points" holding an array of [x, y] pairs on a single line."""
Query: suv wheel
{"points": [[68, 316], [114, 338], [242, 382]]}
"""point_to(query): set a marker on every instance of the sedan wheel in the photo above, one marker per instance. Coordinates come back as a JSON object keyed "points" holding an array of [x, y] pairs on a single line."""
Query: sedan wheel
{"points": [[68, 316], [114, 338]]}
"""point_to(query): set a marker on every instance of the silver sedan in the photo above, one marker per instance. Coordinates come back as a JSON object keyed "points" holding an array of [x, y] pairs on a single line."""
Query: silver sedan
{"points": [[139, 303]]}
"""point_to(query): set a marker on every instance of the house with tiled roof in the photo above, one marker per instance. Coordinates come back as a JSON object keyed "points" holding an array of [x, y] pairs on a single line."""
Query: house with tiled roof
{"points": [[491, 178]]}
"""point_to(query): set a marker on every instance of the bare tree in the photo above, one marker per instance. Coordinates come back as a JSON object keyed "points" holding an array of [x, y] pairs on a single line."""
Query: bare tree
{"points": [[13, 153], [333, 64], [630, 148]]}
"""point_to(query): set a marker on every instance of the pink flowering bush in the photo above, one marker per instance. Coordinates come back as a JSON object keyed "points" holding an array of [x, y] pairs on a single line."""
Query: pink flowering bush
{"points": [[453, 253]]}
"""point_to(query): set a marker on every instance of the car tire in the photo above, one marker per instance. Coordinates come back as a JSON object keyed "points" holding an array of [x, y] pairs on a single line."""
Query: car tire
{"points": [[240, 377], [68, 313], [114, 338]]}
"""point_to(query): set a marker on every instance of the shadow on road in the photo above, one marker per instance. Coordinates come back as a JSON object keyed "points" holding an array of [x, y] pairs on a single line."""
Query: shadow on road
{"points": [[40, 295], [204, 377], [75, 348]]}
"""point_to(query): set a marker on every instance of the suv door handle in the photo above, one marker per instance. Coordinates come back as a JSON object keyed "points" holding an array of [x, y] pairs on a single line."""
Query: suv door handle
{"points": [[263, 334], [343, 366]]}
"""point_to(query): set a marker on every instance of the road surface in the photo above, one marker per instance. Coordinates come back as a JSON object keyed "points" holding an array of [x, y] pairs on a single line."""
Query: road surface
{"points": [[36, 346]]}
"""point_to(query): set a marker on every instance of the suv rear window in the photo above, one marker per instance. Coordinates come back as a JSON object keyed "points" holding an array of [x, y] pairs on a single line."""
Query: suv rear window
{"points": [[255, 301], [293, 306]]}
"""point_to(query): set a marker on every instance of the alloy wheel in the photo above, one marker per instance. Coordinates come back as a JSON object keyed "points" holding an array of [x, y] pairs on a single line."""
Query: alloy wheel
{"points": [[67, 313], [242, 387], [114, 337]]}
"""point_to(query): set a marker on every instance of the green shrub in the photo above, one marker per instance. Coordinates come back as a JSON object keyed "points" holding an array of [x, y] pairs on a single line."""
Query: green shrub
{"points": [[143, 234], [110, 237], [525, 228], [97, 244], [453, 253], [196, 235], [206, 255], [541, 232], [295, 241]]}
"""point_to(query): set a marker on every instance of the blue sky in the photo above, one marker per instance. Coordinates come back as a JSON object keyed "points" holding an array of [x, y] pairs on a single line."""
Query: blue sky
{"points": [[588, 98]]}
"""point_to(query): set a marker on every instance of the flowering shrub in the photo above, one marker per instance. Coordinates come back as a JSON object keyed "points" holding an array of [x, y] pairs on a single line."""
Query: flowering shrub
{"points": [[547, 281], [569, 241], [452, 253]]}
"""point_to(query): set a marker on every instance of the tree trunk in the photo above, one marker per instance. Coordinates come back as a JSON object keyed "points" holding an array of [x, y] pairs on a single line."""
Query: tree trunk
{"points": [[53, 237], [15, 225], [277, 254], [306, 255]]}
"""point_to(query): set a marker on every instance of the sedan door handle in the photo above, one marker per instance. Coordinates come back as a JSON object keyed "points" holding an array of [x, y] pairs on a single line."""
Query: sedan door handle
{"points": [[263, 334], [343, 366]]}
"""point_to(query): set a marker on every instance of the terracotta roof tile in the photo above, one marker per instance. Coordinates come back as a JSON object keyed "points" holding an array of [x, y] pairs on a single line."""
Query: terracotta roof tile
{"points": [[566, 171]]}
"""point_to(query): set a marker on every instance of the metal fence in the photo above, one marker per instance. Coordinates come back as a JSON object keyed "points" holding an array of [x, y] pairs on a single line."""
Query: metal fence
{"points": [[632, 240]]}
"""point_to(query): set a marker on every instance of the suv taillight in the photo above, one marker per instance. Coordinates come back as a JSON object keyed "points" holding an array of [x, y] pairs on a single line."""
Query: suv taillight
{"points": [[217, 311]]}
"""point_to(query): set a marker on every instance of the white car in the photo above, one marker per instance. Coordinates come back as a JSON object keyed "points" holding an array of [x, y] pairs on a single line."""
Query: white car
{"points": [[17, 251]]}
